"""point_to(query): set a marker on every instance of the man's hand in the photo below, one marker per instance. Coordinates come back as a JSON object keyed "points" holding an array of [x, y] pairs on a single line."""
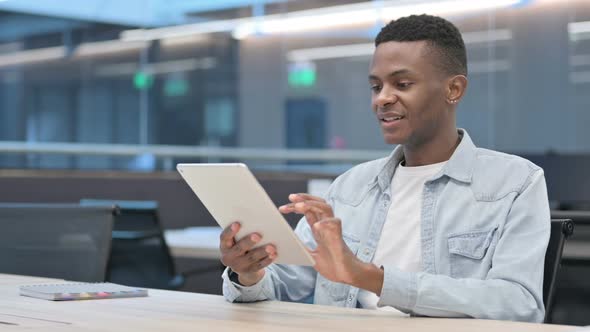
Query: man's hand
{"points": [[312, 207], [334, 260], [248, 263]]}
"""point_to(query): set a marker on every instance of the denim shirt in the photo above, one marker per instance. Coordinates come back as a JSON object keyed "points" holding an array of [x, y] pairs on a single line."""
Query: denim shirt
{"points": [[485, 227]]}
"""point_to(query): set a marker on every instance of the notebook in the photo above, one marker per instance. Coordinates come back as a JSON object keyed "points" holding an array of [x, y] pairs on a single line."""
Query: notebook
{"points": [[81, 291]]}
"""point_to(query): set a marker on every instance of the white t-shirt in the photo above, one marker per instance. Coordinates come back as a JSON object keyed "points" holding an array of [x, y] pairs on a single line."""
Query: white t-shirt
{"points": [[400, 243]]}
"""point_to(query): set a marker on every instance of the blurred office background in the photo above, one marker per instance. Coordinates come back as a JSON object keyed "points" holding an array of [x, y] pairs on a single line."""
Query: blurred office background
{"points": [[101, 98], [269, 74]]}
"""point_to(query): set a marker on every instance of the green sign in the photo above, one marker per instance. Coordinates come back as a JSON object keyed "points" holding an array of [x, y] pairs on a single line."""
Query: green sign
{"points": [[302, 78], [142, 80], [302, 74]]}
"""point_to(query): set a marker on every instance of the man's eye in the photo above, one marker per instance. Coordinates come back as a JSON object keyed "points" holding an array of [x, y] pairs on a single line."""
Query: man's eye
{"points": [[375, 88], [404, 85]]}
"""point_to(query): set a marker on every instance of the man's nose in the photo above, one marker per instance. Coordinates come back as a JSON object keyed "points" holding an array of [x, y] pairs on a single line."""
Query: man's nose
{"points": [[385, 97]]}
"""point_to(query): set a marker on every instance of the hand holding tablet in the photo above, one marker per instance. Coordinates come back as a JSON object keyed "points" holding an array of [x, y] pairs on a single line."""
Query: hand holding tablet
{"points": [[241, 256], [232, 194]]}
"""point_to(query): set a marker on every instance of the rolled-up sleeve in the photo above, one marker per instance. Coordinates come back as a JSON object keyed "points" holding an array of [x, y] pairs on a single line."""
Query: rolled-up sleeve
{"points": [[233, 292]]}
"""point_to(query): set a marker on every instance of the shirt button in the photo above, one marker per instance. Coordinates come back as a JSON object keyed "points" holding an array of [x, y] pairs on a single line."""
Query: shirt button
{"points": [[349, 298], [367, 251]]}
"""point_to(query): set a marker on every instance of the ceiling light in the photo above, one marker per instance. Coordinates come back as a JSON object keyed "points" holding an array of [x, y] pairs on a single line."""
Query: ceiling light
{"points": [[32, 56], [579, 30], [344, 15], [365, 13], [366, 49], [181, 30], [108, 47]]}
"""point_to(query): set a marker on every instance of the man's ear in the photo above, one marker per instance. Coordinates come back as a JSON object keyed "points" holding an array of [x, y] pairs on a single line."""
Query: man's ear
{"points": [[456, 87]]}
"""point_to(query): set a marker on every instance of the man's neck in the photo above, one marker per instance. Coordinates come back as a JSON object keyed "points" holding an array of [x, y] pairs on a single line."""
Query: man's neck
{"points": [[435, 151]]}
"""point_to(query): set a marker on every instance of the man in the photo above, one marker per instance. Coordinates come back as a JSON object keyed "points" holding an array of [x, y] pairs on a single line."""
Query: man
{"points": [[438, 228]]}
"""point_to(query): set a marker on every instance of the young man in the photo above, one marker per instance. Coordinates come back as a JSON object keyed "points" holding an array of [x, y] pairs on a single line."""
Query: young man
{"points": [[438, 228]]}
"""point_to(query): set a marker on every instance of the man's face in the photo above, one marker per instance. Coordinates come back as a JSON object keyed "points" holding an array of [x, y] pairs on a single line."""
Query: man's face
{"points": [[408, 92]]}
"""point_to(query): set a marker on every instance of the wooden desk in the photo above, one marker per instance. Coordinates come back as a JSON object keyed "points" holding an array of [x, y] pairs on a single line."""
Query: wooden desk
{"points": [[179, 311]]}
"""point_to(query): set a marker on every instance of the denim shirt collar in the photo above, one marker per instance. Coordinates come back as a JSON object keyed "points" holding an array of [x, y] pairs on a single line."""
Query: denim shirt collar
{"points": [[459, 167]]}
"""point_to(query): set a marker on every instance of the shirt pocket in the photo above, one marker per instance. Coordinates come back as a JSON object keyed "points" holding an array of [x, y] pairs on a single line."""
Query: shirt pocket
{"points": [[338, 291], [467, 253]]}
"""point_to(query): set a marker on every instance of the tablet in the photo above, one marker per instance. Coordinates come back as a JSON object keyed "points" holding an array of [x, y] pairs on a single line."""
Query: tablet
{"points": [[231, 193]]}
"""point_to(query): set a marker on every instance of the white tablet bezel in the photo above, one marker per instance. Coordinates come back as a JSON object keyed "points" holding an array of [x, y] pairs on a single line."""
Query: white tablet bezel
{"points": [[230, 192]]}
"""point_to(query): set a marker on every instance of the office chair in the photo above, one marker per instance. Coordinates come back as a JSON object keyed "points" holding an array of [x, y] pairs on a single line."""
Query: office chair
{"points": [[561, 229], [139, 254], [572, 290], [64, 241], [579, 217]]}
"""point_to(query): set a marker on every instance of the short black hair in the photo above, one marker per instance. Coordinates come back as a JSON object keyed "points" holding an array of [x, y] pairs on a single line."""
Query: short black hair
{"points": [[443, 36]]}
